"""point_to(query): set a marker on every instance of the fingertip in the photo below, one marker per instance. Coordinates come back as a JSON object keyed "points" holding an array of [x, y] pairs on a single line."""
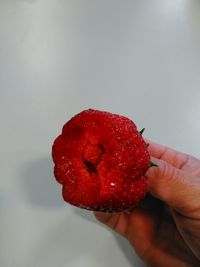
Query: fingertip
{"points": [[158, 177], [154, 168], [102, 216]]}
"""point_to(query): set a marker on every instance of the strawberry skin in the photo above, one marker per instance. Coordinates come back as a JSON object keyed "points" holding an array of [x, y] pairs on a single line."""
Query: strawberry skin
{"points": [[100, 160]]}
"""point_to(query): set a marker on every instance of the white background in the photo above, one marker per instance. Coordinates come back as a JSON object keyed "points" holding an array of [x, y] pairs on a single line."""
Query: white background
{"points": [[57, 57]]}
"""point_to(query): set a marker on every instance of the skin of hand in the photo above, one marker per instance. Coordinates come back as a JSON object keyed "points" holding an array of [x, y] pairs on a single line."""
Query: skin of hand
{"points": [[164, 229]]}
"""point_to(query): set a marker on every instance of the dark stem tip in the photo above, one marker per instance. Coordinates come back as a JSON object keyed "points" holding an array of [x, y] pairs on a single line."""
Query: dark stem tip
{"points": [[152, 164], [141, 132]]}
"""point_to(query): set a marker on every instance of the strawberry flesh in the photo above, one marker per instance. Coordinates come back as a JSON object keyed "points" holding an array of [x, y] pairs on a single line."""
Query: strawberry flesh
{"points": [[100, 159]]}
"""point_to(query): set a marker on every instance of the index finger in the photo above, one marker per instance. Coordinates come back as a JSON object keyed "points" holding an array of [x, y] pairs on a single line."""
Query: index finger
{"points": [[175, 158]]}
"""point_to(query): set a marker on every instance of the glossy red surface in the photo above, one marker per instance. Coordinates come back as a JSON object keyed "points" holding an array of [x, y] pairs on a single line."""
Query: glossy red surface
{"points": [[100, 159]]}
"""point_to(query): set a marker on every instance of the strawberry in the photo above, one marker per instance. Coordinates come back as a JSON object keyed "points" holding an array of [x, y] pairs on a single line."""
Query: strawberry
{"points": [[101, 159]]}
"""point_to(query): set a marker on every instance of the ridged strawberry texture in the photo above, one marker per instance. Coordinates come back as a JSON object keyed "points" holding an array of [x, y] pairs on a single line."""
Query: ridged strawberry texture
{"points": [[101, 159]]}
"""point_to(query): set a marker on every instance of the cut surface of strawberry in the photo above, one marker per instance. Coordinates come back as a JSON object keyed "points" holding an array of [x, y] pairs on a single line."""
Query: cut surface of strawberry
{"points": [[100, 160]]}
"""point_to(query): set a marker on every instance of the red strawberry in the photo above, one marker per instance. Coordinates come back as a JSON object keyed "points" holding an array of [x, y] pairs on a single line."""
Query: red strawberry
{"points": [[100, 159]]}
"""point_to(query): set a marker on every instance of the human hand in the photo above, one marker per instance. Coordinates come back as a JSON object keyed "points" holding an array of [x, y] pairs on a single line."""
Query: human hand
{"points": [[164, 228]]}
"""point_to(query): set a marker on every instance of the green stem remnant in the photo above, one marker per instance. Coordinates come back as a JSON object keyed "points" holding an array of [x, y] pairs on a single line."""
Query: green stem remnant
{"points": [[153, 165], [141, 132]]}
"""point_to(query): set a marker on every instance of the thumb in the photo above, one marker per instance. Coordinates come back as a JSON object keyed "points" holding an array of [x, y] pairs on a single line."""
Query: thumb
{"points": [[175, 187]]}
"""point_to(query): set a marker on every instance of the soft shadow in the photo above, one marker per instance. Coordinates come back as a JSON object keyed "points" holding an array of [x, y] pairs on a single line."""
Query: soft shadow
{"points": [[85, 214], [122, 242], [40, 186], [128, 251]]}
